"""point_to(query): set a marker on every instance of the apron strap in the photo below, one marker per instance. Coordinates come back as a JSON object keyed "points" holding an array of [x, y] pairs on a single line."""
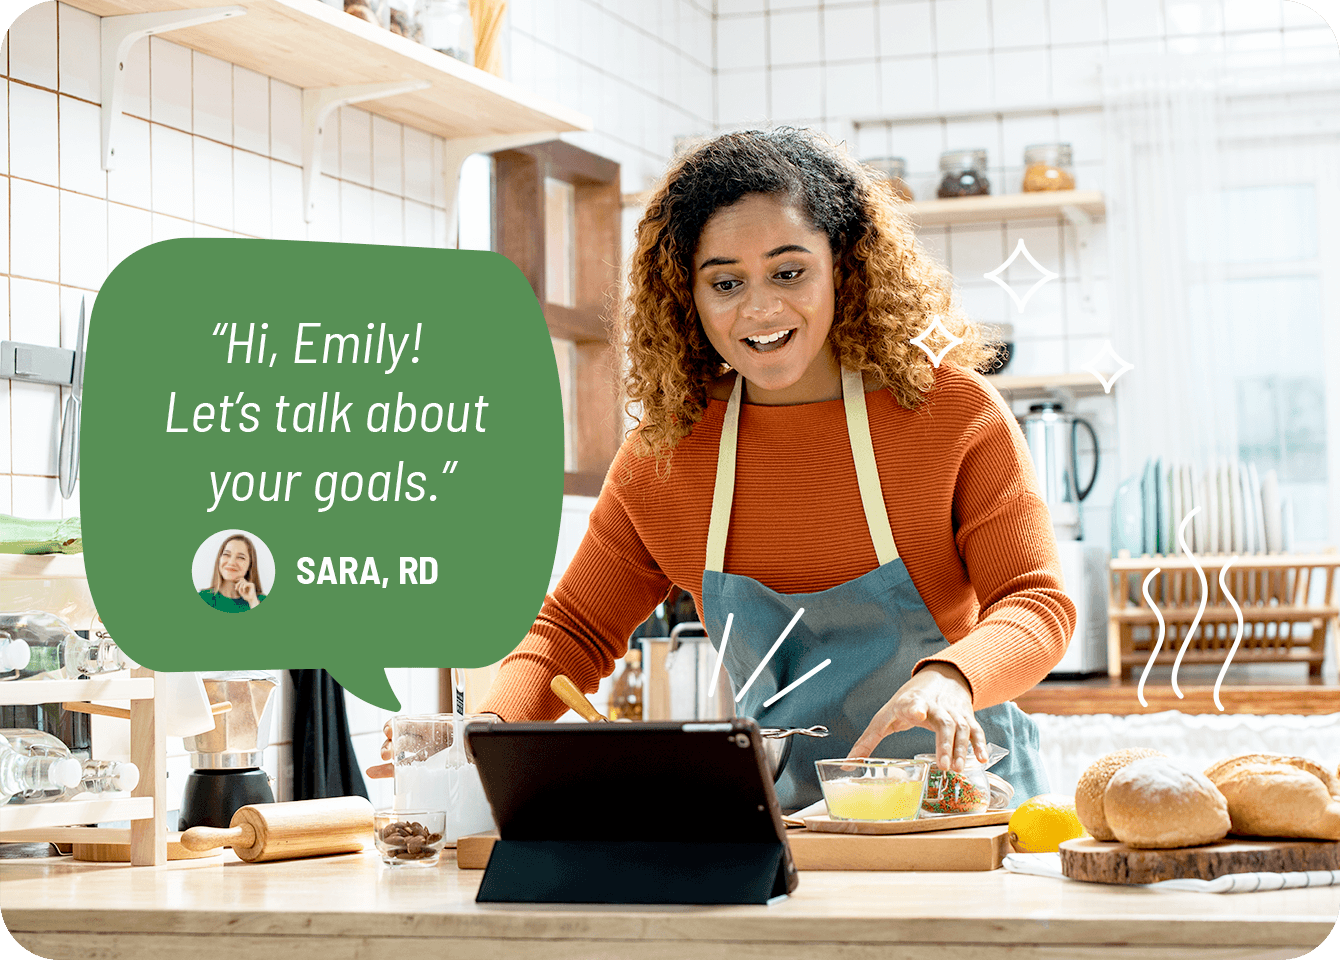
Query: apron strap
{"points": [[867, 473], [863, 452], [724, 491]]}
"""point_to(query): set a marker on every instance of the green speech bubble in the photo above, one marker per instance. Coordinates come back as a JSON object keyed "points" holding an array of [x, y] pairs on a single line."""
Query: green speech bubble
{"points": [[386, 418]]}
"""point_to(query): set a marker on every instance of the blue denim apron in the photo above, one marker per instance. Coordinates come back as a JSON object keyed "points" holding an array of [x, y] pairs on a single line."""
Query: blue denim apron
{"points": [[874, 629]]}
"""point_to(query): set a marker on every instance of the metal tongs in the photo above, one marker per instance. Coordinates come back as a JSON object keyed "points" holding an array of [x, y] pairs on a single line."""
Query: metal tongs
{"points": [[68, 462]]}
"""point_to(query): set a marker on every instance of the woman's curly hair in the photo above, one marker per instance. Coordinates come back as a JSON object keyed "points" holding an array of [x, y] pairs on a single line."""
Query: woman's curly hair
{"points": [[888, 289]]}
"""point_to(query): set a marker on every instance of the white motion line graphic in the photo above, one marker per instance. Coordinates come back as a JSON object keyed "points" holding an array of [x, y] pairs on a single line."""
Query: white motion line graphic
{"points": [[1140, 690], [777, 643], [1204, 597], [721, 656], [795, 683], [1223, 585]]}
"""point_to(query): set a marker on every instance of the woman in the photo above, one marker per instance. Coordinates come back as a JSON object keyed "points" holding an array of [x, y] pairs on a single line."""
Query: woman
{"points": [[236, 584], [797, 451]]}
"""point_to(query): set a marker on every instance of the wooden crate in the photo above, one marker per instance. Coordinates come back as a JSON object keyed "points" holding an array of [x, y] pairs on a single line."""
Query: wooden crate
{"points": [[1283, 622]]}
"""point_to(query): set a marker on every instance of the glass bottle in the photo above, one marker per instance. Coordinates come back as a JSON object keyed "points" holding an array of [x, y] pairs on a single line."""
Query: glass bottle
{"points": [[14, 653], [963, 174], [894, 170], [57, 652], [94, 776], [21, 774], [626, 697], [1047, 166], [448, 28]]}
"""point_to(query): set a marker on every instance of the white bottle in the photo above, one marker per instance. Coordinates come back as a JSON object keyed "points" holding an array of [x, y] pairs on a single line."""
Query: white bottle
{"points": [[95, 776], [57, 652], [21, 774], [14, 654]]}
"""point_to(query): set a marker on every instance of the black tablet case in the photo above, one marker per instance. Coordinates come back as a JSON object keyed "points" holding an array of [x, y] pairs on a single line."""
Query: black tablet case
{"points": [[665, 812]]}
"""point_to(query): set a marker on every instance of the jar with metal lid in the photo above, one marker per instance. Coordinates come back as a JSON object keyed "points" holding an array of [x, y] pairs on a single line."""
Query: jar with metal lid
{"points": [[963, 174], [894, 170], [1047, 166]]}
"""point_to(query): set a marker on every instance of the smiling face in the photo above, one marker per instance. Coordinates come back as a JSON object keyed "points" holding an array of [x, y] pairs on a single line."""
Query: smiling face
{"points": [[235, 560], [764, 287]]}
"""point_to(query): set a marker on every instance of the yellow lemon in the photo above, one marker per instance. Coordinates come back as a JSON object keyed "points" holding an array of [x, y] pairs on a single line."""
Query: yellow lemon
{"points": [[1040, 824]]}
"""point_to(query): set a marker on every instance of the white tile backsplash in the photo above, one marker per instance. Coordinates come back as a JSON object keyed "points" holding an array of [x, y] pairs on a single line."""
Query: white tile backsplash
{"points": [[418, 165], [388, 219], [32, 46], [742, 97], [908, 85], [251, 194], [80, 156], [794, 38], [852, 90], [963, 81], [83, 241], [797, 92], [1020, 77], [742, 42], [4, 123], [35, 314], [212, 97], [34, 230], [173, 171], [905, 27], [286, 124], [286, 212], [849, 33], [128, 229], [169, 84], [129, 180], [33, 155], [1134, 20], [213, 166], [137, 93], [1019, 23], [1078, 21], [962, 25], [80, 53], [37, 498], [1075, 73], [34, 422], [251, 111], [170, 228], [355, 213], [387, 155]]}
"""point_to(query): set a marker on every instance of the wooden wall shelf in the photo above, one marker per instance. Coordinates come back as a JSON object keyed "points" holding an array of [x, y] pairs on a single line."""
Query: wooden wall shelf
{"points": [[1110, 696], [1016, 388], [1071, 204], [41, 566]]}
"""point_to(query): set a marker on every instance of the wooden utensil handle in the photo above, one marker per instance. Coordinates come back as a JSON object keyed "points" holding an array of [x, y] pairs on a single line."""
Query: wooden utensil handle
{"points": [[122, 713], [207, 838], [567, 691]]}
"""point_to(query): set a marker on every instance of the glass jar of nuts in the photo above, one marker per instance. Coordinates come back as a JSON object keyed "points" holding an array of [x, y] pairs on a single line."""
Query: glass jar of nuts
{"points": [[963, 174], [894, 170], [1047, 167], [409, 836]]}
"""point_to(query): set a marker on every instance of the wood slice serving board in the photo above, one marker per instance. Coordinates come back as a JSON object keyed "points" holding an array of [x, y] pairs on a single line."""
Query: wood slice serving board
{"points": [[972, 848], [826, 824], [1089, 859]]}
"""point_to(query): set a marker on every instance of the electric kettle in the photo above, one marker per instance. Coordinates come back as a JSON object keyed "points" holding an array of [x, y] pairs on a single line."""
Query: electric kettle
{"points": [[1050, 433]]}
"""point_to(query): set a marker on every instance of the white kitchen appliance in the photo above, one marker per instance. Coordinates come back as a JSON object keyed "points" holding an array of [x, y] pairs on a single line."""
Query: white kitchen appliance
{"points": [[1084, 572]]}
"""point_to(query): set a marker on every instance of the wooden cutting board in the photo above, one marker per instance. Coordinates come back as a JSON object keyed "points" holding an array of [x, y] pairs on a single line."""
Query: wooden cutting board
{"points": [[973, 848], [1089, 859], [119, 852], [826, 824]]}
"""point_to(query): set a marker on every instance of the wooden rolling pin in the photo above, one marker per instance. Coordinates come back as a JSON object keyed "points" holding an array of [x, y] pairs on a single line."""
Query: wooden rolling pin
{"points": [[567, 691], [280, 831]]}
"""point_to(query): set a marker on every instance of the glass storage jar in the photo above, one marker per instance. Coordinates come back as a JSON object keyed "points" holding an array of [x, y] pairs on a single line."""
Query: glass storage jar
{"points": [[447, 28], [951, 793], [893, 169], [1047, 166], [963, 174]]}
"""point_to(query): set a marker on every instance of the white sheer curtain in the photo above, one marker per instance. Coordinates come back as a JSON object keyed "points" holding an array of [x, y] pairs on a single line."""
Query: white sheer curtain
{"points": [[1223, 191]]}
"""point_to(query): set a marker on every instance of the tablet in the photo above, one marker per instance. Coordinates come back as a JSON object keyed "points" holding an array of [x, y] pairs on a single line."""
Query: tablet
{"points": [[660, 812]]}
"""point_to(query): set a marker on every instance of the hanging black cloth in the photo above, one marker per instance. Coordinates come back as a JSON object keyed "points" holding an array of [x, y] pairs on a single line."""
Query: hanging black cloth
{"points": [[323, 754]]}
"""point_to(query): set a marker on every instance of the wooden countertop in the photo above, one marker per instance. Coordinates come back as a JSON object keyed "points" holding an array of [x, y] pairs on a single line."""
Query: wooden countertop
{"points": [[1111, 695], [341, 908]]}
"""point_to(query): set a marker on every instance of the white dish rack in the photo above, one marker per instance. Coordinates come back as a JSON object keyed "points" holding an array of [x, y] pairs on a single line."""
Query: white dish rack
{"points": [[146, 807]]}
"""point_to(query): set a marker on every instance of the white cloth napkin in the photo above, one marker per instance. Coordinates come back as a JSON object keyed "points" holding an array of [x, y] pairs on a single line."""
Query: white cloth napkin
{"points": [[1049, 865]]}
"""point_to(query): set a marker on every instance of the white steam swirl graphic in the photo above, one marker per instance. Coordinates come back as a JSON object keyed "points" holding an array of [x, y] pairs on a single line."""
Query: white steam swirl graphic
{"points": [[1223, 585], [1140, 690], [1204, 596]]}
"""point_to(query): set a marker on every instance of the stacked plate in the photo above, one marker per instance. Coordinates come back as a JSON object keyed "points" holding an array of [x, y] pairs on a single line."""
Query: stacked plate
{"points": [[1241, 511]]}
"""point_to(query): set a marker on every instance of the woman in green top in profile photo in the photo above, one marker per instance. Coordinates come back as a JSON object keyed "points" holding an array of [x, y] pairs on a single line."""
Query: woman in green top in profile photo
{"points": [[236, 586]]}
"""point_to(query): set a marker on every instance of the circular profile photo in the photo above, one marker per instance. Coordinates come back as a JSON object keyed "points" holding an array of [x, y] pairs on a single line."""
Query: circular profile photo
{"points": [[233, 570]]}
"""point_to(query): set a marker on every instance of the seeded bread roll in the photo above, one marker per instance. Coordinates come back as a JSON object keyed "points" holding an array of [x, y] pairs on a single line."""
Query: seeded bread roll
{"points": [[1277, 796], [1155, 803], [1093, 784]]}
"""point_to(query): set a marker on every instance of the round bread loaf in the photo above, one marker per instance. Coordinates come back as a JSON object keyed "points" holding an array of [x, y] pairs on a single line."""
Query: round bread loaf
{"points": [[1158, 804], [1093, 784], [1272, 795]]}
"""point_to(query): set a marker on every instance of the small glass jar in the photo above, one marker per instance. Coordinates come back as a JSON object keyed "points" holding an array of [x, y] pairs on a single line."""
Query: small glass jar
{"points": [[434, 772], [377, 12], [409, 836], [953, 793], [963, 174], [447, 28], [1047, 166], [894, 170], [872, 788], [404, 19]]}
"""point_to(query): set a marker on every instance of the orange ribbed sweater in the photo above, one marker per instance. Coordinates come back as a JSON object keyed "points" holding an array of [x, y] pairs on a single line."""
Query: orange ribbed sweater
{"points": [[963, 503]]}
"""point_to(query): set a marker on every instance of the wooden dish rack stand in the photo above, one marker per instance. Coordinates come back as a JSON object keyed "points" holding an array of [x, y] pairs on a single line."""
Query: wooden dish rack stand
{"points": [[146, 807], [1275, 593]]}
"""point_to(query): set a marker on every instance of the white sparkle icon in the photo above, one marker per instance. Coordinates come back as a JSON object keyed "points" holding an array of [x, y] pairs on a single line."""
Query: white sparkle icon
{"points": [[994, 275], [1107, 366], [951, 341]]}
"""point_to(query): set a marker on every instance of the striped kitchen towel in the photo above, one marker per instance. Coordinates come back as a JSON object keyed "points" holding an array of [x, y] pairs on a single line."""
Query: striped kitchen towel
{"points": [[1049, 865]]}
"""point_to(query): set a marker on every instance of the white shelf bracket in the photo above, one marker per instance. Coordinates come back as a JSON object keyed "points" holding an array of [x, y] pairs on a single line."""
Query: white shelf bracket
{"points": [[317, 105], [121, 33], [1083, 226], [457, 151]]}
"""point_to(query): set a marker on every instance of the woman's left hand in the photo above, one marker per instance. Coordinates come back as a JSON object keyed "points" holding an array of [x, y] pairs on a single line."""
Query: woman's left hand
{"points": [[938, 698], [247, 591]]}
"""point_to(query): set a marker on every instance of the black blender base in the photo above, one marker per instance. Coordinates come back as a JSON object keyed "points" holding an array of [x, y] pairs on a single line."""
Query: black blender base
{"points": [[211, 797]]}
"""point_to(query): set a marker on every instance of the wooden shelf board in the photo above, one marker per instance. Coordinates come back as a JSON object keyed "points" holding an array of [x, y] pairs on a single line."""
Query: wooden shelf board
{"points": [[308, 43], [42, 566], [1222, 614], [56, 691], [1110, 696], [71, 812], [1010, 206], [1079, 384], [1278, 561]]}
